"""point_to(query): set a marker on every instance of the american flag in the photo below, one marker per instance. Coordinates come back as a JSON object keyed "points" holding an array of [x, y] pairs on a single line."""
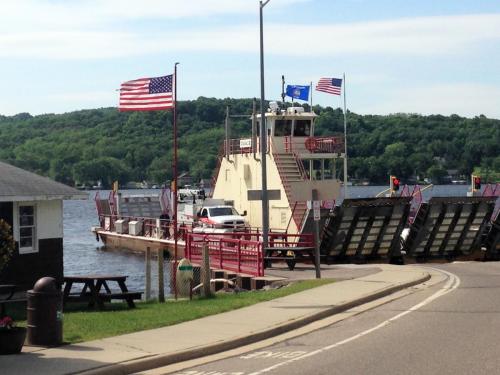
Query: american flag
{"points": [[329, 85], [147, 94]]}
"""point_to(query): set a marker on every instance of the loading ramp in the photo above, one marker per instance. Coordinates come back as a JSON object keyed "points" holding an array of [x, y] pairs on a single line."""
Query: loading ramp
{"points": [[492, 239], [365, 229], [448, 227]]}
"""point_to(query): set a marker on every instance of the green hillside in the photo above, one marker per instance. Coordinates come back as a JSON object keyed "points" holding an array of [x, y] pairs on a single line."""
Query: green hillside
{"points": [[104, 144]]}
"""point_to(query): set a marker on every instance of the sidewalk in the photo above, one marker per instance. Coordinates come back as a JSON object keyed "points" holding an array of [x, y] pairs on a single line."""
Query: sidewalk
{"points": [[162, 346]]}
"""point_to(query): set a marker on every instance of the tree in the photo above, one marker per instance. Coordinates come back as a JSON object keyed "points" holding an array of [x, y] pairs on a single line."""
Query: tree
{"points": [[104, 169], [436, 173], [82, 146]]}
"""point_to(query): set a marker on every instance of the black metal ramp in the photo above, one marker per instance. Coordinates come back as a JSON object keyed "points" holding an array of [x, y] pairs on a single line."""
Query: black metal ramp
{"points": [[309, 223], [141, 206], [365, 229], [492, 239], [448, 227], [103, 206]]}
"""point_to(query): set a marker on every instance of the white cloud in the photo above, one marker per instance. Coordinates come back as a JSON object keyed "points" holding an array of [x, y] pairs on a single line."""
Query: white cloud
{"points": [[32, 30], [410, 36], [71, 45], [465, 99], [51, 15], [424, 36]]}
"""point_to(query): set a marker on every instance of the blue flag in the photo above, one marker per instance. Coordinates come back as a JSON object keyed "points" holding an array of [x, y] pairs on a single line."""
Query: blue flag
{"points": [[298, 92]]}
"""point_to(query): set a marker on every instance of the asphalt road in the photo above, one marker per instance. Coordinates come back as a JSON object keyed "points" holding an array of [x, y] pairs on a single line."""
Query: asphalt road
{"points": [[451, 327]]}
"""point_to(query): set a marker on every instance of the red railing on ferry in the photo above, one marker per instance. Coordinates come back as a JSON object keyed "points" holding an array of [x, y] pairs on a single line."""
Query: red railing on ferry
{"points": [[326, 145], [240, 251], [233, 254], [149, 226], [243, 146]]}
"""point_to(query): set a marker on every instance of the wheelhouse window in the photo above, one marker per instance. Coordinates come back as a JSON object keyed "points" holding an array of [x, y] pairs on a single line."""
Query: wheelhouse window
{"points": [[27, 229], [282, 128], [302, 128]]}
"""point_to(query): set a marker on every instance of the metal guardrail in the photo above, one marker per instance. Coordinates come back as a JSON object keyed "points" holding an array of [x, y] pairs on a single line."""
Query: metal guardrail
{"points": [[164, 230], [236, 146], [326, 145], [233, 254], [241, 252], [150, 227]]}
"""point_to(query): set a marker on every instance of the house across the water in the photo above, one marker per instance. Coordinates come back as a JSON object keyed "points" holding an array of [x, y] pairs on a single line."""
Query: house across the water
{"points": [[33, 207]]}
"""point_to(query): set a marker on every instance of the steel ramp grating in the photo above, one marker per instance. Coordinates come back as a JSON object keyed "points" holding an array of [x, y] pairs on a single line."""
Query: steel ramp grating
{"points": [[447, 227], [104, 208], [492, 239], [364, 229]]}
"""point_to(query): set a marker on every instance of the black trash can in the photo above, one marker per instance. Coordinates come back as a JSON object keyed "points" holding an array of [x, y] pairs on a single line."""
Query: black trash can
{"points": [[45, 316]]}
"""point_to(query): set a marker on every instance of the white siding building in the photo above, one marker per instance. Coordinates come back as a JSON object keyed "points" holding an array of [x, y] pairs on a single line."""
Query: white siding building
{"points": [[33, 206]]}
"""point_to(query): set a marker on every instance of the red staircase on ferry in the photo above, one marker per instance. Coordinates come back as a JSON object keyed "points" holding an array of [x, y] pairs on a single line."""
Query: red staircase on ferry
{"points": [[290, 171]]}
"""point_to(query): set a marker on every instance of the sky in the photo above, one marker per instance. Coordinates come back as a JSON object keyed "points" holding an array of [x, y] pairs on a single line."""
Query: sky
{"points": [[426, 56]]}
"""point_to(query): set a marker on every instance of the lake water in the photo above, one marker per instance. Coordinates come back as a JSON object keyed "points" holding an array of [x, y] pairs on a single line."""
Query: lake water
{"points": [[84, 255]]}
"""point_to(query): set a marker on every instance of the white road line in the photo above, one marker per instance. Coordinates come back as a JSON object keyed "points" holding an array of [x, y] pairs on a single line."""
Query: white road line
{"points": [[452, 283]]}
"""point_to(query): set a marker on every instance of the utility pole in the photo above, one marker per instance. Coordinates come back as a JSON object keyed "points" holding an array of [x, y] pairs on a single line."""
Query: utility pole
{"points": [[263, 137]]}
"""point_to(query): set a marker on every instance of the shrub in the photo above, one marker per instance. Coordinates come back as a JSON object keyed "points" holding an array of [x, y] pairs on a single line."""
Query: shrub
{"points": [[6, 243]]}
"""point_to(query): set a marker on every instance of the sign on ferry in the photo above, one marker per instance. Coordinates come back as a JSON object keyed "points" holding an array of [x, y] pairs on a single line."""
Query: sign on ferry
{"points": [[246, 143]]}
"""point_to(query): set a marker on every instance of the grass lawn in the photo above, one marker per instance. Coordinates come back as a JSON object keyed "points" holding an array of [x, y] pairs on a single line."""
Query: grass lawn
{"points": [[82, 324]]}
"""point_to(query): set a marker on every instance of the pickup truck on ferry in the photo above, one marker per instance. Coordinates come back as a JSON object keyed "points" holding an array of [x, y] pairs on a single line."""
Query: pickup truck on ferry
{"points": [[214, 217]]}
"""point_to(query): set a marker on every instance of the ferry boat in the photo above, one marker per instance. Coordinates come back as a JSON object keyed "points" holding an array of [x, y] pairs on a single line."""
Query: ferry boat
{"points": [[302, 167], [298, 163]]}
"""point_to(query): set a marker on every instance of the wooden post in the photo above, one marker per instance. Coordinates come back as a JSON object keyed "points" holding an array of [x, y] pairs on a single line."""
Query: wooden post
{"points": [[148, 274], [161, 287], [205, 271], [317, 263]]}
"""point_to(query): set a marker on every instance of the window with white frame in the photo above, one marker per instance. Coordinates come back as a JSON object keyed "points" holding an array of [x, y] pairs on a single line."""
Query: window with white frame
{"points": [[27, 229]]}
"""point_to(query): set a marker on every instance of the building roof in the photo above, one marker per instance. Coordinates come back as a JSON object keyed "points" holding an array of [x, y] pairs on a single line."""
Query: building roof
{"points": [[17, 185]]}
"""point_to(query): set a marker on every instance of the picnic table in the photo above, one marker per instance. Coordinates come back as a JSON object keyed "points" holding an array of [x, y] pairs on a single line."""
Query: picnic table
{"points": [[95, 290], [290, 254]]}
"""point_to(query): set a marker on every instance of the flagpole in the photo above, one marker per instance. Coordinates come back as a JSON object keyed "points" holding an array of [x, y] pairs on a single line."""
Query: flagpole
{"points": [[175, 179], [283, 90], [311, 89], [345, 144]]}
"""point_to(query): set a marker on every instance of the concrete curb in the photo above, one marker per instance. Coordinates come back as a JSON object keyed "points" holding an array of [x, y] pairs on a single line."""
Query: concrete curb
{"points": [[160, 360]]}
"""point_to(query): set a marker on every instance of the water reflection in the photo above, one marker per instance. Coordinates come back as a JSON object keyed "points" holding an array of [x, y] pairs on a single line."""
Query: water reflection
{"points": [[83, 255]]}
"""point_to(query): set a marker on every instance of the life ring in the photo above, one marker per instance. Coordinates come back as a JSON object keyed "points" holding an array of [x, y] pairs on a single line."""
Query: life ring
{"points": [[311, 144]]}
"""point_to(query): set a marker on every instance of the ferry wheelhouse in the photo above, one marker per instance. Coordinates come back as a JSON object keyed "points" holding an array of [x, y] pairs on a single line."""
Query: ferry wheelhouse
{"points": [[298, 165]]}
